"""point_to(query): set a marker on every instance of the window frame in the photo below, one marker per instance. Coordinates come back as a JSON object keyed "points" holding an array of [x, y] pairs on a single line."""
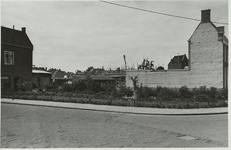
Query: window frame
{"points": [[8, 60]]}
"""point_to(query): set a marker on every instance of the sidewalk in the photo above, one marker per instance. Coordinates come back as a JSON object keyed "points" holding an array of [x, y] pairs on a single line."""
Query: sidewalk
{"points": [[119, 109]]}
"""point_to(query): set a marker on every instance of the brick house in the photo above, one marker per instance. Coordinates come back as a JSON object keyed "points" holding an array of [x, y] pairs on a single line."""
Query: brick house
{"points": [[178, 62], [60, 77], [208, 53], [16, 59], [207, 63]]}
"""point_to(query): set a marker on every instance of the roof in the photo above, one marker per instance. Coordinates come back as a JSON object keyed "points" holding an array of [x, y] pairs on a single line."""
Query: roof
{"points": [[101, 77], [98, 71], [216, 28], [117, 76], [177, 59], [58, 74], [94, 77], [20, 37], [41, 71], [79, 77]]}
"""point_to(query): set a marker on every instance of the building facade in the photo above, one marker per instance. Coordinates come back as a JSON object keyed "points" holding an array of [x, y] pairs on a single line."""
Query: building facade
{"points": [[16, 60], [207, 64]]}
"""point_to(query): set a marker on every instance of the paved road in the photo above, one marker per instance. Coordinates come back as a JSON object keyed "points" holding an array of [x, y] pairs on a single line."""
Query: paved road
{"points": [[44, 127]]}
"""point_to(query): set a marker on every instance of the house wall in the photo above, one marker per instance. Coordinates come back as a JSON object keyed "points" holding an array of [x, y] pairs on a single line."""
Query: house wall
{"points": [[206, 56], [205, 64], [175, 66], [22, 64]]}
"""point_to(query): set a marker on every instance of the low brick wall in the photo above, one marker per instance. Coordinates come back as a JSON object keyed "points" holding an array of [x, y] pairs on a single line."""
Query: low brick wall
{"points": [[174, 78]]}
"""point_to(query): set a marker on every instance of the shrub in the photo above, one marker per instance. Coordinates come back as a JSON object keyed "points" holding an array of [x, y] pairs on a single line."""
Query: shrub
{"points": [[67, 88], [222, 94], [164, 94], [158, 105], [169, 106], [80, 86], [184, 92], [145, 92], [201, 94], [173, 106], [153, 105], [122, 91], [179, 106], [213, 93]]}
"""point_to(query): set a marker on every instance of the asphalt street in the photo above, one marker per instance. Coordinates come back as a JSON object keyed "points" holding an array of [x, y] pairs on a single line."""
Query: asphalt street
{"points": [[24, 126]]}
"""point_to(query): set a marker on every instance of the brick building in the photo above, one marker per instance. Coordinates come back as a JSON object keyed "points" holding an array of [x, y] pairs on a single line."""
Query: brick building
{"points": [[178, 62], [60, 77], [16, 59], [207, 64]]}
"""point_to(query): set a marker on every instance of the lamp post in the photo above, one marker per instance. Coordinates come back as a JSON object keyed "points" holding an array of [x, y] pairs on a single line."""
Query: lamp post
{"points": [[12, 66]]}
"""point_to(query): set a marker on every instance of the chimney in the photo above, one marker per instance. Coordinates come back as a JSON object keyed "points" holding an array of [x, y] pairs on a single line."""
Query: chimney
{"points": [[205, 16], [24, 29]]}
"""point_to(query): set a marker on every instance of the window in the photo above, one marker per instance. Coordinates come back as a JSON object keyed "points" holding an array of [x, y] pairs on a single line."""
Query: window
{"points": [[8, 57]]}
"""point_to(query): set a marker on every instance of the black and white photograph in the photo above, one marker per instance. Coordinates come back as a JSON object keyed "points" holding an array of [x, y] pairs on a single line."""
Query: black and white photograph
{"points": [[115, 74]]}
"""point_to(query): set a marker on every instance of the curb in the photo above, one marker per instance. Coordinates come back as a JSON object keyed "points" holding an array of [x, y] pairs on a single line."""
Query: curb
{"points": [[115, 111]]}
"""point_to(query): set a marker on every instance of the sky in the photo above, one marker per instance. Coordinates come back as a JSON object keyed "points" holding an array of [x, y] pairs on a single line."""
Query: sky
{"points": [[71, 35]]}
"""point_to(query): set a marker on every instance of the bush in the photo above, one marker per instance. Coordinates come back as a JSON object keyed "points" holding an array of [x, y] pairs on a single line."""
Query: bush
{"points": [[158, 105], [67, 88], [179, 106], [80, 86], [222, 94], [184, 92], [165, 94], [122, 91], [213, 93], [201, 94], [145, 92]]}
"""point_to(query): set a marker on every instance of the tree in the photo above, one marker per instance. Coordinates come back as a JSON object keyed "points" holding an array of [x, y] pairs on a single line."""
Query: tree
{"points": [[89, 69], [135, 87]]}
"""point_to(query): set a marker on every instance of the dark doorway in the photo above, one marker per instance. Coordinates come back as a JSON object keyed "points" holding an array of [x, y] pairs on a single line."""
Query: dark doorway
{"points": [[18, 83]]}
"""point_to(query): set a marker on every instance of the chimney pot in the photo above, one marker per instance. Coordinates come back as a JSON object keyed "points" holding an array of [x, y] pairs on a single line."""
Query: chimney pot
{"points": [[24, 29], [205, 16]]}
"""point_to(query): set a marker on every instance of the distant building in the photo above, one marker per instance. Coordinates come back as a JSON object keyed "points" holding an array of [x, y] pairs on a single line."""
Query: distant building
{"points": [[178, 62], [119, 79], [41, 79], [97, 71], [79, 78], [60, 77], [16, 59], [102, 82]]}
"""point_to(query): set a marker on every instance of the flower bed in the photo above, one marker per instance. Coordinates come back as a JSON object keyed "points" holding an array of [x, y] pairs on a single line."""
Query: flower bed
{"points": [[160, 97]]}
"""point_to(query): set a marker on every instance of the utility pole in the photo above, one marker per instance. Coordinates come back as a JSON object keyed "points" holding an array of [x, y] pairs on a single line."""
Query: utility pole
{"points": [[12, 66]]}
